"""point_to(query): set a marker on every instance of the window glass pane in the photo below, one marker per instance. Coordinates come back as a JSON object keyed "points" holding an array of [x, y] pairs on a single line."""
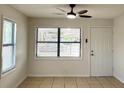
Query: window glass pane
{"points": [[70, 34], [7, 32], [47, 34], [47, 49], [7, 58], [69, 49], [8, 48]]}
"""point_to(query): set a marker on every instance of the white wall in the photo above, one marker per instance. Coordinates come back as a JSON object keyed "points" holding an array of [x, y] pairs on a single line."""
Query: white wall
{"points": [[119, 48], [57, 66], [13, 78]]}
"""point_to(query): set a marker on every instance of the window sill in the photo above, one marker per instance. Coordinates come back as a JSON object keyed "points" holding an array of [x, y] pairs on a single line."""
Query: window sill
{"points": [[58, 59], [8, 72]]}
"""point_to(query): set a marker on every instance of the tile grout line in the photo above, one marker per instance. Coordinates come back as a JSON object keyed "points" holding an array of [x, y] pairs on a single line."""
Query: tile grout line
{"points": [[40, 83], [76, 82], [88, 82], [100, 83], [52, 82], [64, 82], [111, 82]]}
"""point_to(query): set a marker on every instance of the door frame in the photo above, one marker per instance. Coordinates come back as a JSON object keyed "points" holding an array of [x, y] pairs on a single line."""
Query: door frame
{"points": [[90, 27]]}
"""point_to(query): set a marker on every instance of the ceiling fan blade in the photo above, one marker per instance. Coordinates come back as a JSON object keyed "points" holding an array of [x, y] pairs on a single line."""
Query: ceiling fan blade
{"points": [[85, 16], [82, 11], [58, 13], [61, 10]]}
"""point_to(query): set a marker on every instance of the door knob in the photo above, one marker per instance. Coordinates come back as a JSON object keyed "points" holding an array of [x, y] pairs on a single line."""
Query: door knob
{"points": [[92, 54], [91, 50]]}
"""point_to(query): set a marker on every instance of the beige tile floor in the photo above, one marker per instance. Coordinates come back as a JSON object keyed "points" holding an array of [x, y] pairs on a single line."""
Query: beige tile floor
{"points": [[71, 82]]}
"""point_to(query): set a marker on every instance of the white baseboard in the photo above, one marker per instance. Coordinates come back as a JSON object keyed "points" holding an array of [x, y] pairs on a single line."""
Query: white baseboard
{"points": [[20, 81], [30, 75], [119, 78]]}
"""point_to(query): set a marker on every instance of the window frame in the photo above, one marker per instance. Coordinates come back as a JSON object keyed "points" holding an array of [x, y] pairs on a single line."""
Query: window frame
{"points": [[58, 43], [72, 42], [12, 44]]}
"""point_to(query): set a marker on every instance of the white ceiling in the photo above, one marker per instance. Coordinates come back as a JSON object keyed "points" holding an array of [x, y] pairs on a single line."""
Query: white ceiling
{"points": [[48, 10]]}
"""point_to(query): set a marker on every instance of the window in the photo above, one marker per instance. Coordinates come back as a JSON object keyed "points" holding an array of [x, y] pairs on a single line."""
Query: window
{"points": [[58, 42], [8, 45], [70, 42], [47, 42]]}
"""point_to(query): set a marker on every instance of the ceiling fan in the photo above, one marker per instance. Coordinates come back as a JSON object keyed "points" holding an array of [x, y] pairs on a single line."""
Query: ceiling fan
{"points": [[72, 14]]}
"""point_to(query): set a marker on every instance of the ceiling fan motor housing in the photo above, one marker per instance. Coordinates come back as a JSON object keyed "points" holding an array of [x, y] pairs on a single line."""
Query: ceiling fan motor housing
{"points": [[72, 5], [72, 13]]}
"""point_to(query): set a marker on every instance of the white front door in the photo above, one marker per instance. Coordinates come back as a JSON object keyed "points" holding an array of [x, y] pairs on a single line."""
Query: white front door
{"points": [[101, 51]]}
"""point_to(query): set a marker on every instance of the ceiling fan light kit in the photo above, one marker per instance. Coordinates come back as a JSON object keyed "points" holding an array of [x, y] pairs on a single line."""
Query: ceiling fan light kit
{"points": [[71, 15]]}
